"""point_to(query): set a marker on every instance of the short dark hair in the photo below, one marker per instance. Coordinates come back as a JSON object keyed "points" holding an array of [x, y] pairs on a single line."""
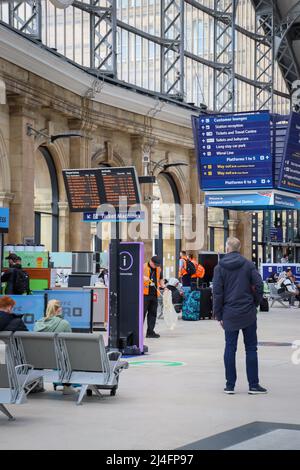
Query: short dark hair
{"points": [[183, 252], [156, 260]]}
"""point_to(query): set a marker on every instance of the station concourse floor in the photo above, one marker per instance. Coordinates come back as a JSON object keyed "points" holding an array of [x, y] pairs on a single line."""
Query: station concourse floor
{"points": [[164, 406]]}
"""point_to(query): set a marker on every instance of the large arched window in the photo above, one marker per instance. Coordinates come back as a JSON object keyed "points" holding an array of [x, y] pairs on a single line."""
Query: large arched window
{"points": [[166, 223], [46, 199]]}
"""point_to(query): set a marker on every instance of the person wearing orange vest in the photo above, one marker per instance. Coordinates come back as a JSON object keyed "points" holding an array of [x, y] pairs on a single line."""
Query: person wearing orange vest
{"points": [[153, 279], [183, 275], [194, 277]]}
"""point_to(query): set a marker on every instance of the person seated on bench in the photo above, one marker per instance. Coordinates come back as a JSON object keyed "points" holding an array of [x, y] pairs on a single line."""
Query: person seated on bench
{"points": [[287, 283], [9, 321], [53, 322]]}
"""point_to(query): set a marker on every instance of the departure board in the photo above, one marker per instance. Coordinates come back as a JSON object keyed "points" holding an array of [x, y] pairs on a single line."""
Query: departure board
{"points": [[290, 168], [234, 151], [82, 190], [116, 183], [88, 189]]}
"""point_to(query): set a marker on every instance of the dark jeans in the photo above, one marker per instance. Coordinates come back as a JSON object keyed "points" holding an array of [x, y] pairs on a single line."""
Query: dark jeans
{"points": [[150, 308], [250, 340]]}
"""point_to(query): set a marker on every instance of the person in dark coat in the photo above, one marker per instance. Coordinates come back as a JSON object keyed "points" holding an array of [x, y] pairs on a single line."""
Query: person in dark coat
{"points": [[237, 292], [10, 275], [9, 321]]}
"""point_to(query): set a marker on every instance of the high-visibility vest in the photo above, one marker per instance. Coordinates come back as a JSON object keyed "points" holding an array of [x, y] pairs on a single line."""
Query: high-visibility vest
{"points": [[193, 276], [147, 272], [200, 271]]}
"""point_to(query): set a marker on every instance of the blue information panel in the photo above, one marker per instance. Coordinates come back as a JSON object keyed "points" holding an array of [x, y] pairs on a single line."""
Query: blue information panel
{"points": [[32, 308], [239, 201], [290, 170], [4, 219], [135, 216], [76, 307], [276, 234], [234, 151]]}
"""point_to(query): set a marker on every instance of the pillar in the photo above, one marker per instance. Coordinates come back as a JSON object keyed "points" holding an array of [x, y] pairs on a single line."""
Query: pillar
{"points": [[63, 226], [21, 155], [138, 145], [244, 234], [199, 211], [80, 157]]}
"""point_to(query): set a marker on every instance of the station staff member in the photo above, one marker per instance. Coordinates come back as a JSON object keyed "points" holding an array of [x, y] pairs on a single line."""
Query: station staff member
{"points": [[153, 279]]}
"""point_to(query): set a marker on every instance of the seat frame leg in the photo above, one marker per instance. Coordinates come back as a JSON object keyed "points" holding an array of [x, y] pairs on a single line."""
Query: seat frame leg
{"points": [[96, 390], [6, 412], [81, 394]]}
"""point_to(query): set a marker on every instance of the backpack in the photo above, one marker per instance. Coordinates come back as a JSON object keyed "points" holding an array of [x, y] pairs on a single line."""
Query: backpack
{"points": [[190, 268], [21, 282]]}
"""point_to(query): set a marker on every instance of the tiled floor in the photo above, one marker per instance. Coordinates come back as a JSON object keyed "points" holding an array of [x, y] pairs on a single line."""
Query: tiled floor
{"points": [[161, 406]]}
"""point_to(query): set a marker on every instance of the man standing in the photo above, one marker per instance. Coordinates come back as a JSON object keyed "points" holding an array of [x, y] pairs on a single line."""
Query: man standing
{"points": [[185, 272], [10, 275], [17, 280], [237, 292], [153, 279]]}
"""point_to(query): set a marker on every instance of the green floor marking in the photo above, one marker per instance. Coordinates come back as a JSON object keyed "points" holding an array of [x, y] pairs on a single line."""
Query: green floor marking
{"points": [[161, 363]]}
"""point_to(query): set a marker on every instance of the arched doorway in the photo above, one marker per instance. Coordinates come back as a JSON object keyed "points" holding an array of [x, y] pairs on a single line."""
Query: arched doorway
{"points": [[46, 197], [166, 223]]}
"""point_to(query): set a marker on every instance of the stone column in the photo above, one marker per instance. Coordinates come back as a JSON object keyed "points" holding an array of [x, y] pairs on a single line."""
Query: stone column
{"points": [[244, 234], [80, 157], [199, 211], [138, 143], [63, 225], [21, 154], [233, 226]]}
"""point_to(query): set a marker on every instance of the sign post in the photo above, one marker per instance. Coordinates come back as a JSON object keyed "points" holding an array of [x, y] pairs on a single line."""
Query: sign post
{"points": [[4, 224]]}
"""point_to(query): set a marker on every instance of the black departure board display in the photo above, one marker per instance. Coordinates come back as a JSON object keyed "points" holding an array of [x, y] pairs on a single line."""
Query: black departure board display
{"points": [[88, 189]]}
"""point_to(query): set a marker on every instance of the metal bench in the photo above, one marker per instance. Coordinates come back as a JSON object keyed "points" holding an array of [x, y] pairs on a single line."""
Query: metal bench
{"points": [[86, 362]]}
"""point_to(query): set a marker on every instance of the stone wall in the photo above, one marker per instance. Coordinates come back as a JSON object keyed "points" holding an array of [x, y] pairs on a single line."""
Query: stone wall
{"points": [[112, 136]]}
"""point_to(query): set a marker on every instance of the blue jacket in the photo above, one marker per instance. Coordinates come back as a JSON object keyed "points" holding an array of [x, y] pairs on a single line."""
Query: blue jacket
{"points": [[11, 322], [237, 292]]}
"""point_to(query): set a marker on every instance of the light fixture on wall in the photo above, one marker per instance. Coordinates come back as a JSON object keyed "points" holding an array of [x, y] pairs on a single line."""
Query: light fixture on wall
{"points": [[52, 138], [165, 166]]}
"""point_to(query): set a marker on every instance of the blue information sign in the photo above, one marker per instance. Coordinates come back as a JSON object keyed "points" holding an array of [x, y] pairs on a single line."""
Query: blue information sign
{"points": [[290, 169], [135, 216], [239, 201], [76, 307], [234, 151], [32, 308], [4, 219]]}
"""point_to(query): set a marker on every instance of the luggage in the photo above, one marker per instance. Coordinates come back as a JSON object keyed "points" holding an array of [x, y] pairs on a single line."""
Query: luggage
{"points": [[264, 305], [206, 302], [191, 307]]}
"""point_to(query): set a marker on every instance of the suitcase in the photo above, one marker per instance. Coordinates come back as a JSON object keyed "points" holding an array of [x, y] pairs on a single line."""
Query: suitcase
{"points": [[191, 307], [264, 305], [206, 303]]}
